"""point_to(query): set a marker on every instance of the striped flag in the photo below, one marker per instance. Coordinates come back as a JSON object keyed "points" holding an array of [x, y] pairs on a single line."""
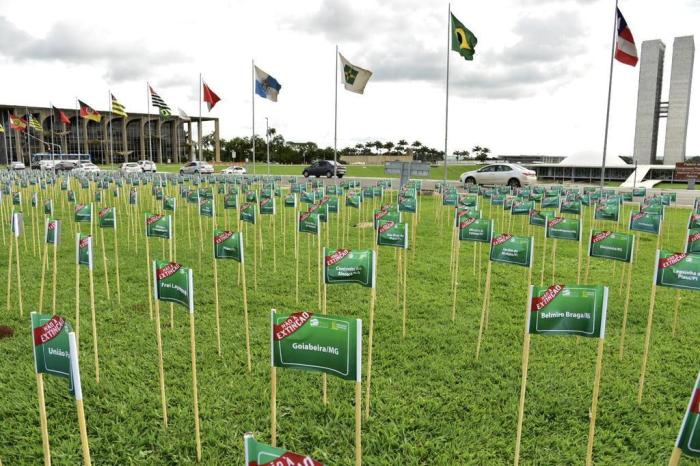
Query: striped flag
{"points": [[625, 50], [34, 123], [118, 108], [157, 101]]}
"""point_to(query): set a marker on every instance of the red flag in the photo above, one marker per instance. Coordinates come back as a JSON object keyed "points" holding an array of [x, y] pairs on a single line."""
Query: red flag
{"points": [[625, 50], [62, 117], [17, 123], [209, 96]]}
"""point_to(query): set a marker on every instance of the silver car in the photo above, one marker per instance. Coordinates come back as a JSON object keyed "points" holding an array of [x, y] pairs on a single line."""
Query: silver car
{"points": [[510, 174], [196, 167]]}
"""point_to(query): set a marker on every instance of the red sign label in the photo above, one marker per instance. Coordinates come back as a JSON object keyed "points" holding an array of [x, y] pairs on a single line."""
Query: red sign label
{"points": [[168, 270], [539, 302], [153, 219], [79, 207], [103, 212], [555, 221], [293, 323], [52, 225], [694, 237], [49, 330], [380, 214], [600, 236], [289, 459], [336, 257], [636, 217], [501, 239], [84, 242], [464, 224], [695, 404], [671, 260], [386, 226], [218, 239]]}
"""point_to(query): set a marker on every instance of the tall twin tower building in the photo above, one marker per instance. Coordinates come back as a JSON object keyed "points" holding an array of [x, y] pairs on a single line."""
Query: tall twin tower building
{"points": [[650, 108]]}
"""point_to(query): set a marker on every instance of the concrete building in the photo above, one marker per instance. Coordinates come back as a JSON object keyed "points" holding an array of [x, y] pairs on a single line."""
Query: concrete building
{"points": [[112, 140], [650, 108], [679, 99]]}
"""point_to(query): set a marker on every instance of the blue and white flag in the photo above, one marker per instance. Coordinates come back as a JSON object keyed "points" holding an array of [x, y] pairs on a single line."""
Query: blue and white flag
{"points": [[265, 85]]}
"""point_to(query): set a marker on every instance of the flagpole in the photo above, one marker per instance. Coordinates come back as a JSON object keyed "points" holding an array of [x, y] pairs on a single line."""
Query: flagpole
{"points": [[111, 144], [6, 128], [199, 126], [148, 112], [77, 123], [335, 119], [29, 146], [267, 141], [253, 106], [11, 152], [447, 89], [607, 112], [53, 147]]}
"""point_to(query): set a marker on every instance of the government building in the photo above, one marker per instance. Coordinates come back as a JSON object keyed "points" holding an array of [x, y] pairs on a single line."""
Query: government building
{"points": [[113, 140]]}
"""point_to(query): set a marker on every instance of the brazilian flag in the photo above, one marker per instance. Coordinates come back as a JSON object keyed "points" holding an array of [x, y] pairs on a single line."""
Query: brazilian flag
{"points": [[463, 41]]}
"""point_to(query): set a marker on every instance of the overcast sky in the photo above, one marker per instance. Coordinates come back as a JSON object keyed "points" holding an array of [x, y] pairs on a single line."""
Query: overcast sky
{"points": [[537, 85]]}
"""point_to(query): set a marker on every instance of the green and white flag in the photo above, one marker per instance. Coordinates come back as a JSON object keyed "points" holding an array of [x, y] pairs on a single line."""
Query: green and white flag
{"points": [[262, 454], [267, 206], [692, 241], [354, 77], [317, 343], [343, 266], [83, 213], [353, 199], [228, 245], [108, 217], [169, 203], [509, 249], [231, 201], [206, 207], [609, 245], [677, 270], [158, 225], [83, 250], [173, 282], [462, 39], [564, 228], [384, 215], [406, 204], [248, 212], [133, 197], [550, 203], [476, 229], [290, 200], [394, 234], [16, 198], [53, 231], [55, 350], [645, 221], [688, 439], [521, 207], [568, 310], [608, 211], [540, 217], [309, 222], [572, 206]]}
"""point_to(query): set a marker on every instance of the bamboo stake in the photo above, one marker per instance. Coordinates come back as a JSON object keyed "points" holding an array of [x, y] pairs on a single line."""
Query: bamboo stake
{"points": [[523, 388], [104, 263], [19, 277], [44, 266], [373, 299], [594, 402], [245, 314], [216, 306], [624, 314], [358, 423], [148, 270], [405, 279], [195, 396], [675, 312], [94, 325], [454, 283], [647, 339], [42, 419], [116, 265], [487, 292], [161, 371], [273, 406], [675, 457]]}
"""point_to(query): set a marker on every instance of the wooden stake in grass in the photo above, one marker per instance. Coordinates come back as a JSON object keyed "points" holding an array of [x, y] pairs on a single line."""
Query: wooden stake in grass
{"points": [[84, 256], [647, 335], [43, 422], [487, 292], [77, 388], [17, 230]]}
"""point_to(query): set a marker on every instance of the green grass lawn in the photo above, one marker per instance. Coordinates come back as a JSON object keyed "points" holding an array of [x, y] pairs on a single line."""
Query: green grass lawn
{"points": [[432, 401], [374, 171]]}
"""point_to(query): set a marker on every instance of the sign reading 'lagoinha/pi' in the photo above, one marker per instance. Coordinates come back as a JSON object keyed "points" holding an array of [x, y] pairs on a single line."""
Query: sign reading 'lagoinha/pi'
{"points": [[677, 270]]}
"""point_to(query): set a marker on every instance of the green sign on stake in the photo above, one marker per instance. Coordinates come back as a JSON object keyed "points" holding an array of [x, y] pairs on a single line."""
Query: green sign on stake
{"points": [[476, 229], [609, 245], [677, 270], [394, 234], [511, 249], [228, 245], [568, 310], [564, 228], [262, 454], [52, 347], [343, 266], [173, 282], [688, 440]]}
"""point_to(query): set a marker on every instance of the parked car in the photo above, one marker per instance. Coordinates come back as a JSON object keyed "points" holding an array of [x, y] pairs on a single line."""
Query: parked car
{"points": [[324, 168], [147, 166], [196, 167], [130, 168], [234, 170], [86, 167], [65, 165], [510, 174], [16, 166]]}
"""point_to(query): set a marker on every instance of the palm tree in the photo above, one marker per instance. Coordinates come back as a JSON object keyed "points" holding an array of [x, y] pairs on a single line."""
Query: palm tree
{"points": [[388, 146]]}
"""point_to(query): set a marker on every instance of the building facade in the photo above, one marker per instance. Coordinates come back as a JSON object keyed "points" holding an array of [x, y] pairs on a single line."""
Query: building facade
{"points": [[113, 140]]}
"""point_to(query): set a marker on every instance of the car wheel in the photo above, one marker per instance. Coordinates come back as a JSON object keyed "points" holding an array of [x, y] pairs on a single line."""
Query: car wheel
{"points": [[469, 180], [340, 175], [306, 174], [329, 174], [182, 172], [514, 183]]}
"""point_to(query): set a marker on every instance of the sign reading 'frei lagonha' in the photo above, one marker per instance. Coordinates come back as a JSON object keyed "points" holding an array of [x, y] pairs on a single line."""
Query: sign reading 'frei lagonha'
{"points": [[688, 439], [475, 229], [52, 349], [343, 266], [173, 282], [568, 310], [564, 228], [677, 270], [394, 234], [517, 250], [319, 343], [610, 245], [262, 454], [228, 245]]}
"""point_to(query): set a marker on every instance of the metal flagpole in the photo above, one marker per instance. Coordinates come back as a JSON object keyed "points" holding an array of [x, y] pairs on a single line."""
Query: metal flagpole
{"points": [[77, 123], [148, 106], [111, 141], [335, 119], [11, 151], [29, 145], [267, 143], [53, 146], [447, 89], [607, 112], [199, 125], [253, 101], [6, 128]]}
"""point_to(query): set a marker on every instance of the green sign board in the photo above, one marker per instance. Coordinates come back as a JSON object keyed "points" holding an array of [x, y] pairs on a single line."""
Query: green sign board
{"points": [[83, 213], [228, 245], [53, 231], [169, 203], [394, 234], [318, 343], [509, 249], [568, 310], [173, 282], [107, 217], [677, 270], [692, 241], [309, 222], [158, 225], [261, 454], [688, 439], [564, 228], [541, 217], [248, 212], [83, 250], [343, 266], [52, 355], [645, 221], [475, 229], [267, 206], [610, 245]]}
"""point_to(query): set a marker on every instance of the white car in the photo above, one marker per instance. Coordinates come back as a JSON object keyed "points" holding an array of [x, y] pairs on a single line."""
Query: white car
{"points": [[16, 166], [130, 168], [196, 167], [234, 170], [510, 174], [147, 166], [86, 167]]}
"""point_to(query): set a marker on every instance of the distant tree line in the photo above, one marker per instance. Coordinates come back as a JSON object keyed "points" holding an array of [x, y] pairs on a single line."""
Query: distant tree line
{"points": [[238, 149]]}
